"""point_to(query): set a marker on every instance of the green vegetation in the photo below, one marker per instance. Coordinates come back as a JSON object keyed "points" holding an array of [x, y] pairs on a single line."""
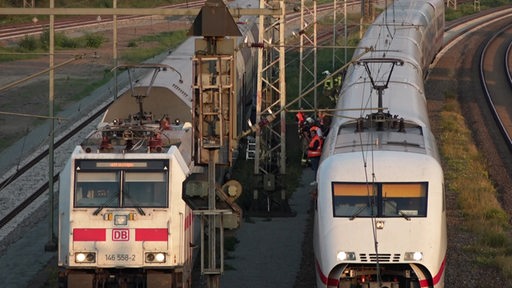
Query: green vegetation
{"points": [[468, 8], [148, 46], [467, 177], [32, 46]]}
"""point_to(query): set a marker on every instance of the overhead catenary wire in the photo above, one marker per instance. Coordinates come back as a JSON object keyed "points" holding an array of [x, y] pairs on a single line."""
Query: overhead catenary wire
{"points": [[380, 74]]}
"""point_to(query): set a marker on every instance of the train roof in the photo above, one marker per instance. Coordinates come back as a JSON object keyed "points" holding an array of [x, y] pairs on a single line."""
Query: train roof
{"points": [[399, 31], [403, 94], [382, 105]]}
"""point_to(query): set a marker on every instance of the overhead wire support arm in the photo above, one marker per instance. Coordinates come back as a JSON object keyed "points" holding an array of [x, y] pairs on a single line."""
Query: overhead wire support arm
{"points": [[380, 116], [392, 61]]}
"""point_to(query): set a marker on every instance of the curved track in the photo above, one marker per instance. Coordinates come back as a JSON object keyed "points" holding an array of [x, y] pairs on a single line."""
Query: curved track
{"points": [[496, 81]]}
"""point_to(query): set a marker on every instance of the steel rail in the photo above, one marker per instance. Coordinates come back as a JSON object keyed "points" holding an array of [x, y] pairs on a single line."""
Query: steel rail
{"points": [[41, 156], [488, 96]]}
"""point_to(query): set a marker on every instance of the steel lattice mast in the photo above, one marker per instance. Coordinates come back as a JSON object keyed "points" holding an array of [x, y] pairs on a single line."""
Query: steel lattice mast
{"points": [[270, 156]]}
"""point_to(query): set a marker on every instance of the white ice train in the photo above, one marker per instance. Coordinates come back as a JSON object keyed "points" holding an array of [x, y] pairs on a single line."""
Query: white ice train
{"points": [[122, 219], [380, 215]]}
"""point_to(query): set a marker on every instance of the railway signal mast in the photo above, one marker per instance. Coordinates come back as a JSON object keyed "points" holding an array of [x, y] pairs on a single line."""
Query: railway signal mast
{"points": [[214, 119]]}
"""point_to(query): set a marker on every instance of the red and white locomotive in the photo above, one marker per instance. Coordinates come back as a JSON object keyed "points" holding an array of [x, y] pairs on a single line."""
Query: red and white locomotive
{"points": [[380, 215], [122, 218]]}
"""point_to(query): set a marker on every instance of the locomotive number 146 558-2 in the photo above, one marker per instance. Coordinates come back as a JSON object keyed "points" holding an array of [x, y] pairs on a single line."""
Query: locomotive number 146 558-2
{"points": [[120, 257]]}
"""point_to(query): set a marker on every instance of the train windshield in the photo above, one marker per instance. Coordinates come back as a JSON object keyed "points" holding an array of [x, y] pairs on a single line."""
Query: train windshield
{"points": [[131, 186], [93, 189], [380, 199], [145, 190]]}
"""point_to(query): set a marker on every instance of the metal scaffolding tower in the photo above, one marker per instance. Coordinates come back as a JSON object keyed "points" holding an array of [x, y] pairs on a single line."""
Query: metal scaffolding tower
{"points": [[270, 154], [336, 62], [307, 53]]}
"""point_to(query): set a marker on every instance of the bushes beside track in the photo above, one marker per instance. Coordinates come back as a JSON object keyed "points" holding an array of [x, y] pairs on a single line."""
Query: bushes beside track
{"points": [[466, 175]]}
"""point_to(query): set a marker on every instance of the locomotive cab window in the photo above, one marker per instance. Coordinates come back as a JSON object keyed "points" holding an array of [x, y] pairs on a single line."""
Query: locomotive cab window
{"points": [[121, 184], [379, 200], [145, 189], [97, 188]]}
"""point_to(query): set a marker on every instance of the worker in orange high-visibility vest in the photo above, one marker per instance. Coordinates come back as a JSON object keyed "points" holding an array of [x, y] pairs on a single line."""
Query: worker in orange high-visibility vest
{"points": [[315, 151]]}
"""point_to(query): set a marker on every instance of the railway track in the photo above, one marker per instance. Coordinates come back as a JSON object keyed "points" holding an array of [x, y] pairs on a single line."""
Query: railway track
{"points": [[41, 157], [496, 79]]}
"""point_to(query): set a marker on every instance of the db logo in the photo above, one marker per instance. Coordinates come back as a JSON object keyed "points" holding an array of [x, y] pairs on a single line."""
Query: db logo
{"points": [[120, 234]]}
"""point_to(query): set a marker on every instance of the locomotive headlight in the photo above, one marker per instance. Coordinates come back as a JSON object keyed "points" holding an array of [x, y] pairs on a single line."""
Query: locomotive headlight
{"points": [[413, 256], [344, 256], [120, 219], [155, 257], [80, 257], [85, 257], [160, 257]]}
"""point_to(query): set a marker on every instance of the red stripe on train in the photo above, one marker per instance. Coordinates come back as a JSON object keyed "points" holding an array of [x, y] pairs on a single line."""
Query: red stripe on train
{"points": [[151, 234], [437, 277], [325, 280], [90, 234]]}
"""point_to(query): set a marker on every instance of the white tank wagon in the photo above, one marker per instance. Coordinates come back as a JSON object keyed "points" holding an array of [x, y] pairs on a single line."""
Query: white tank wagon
{"points": [[380, 218], [122, 218]]}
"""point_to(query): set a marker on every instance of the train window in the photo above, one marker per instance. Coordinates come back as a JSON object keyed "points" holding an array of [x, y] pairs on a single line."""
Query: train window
{"points": [[404, 199], [95, 189], [380, 199], [354, 199], [145, 189]]}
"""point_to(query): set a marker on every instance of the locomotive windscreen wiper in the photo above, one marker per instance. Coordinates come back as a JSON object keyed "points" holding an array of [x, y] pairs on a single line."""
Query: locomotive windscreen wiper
{"points": [[361, 209], [97, 211], [141, 212], [138, 208], [401, 213]]}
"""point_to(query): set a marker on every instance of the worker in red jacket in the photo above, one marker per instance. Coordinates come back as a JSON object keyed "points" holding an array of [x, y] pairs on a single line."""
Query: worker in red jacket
{"points": [[315, 151]]}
